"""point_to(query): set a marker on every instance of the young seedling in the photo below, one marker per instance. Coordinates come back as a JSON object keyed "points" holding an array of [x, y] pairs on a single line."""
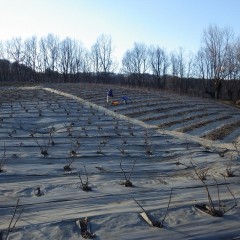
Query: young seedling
{"points": [[3, 159], [68, 113], [131, 133], [84, 184], [117, 125], [124, 140], [85, 227], [99, 151], [210, 208], [148, 149], [44, 146], [69, 129], [72, 154], [38, 192], [104, 141], [130, 129], [15, 218], [40, 112], [117, 132], [99, 128], [152, 222], [26, 110], [75, 145], [127, 182], [89, 121], [85, 131], [146, 137], [51, 134], [229, 171]]}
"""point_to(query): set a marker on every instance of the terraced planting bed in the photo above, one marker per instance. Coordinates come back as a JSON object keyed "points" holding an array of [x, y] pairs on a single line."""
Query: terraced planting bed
{"points": [[165, 110], [74, 166]]}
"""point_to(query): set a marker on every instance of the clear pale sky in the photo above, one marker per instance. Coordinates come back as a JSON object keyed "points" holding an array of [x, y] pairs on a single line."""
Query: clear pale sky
{"points": [[168, 23]]}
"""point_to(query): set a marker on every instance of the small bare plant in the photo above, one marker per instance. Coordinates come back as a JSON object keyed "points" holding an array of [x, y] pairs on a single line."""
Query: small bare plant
{"points": [[75, 145], [67, 111], [210, 208], [38, 192], [124, 140], [3, 159], [85, 227], [229, 171], [117, 132], [85, 131], [69, 129], [117, 125], [152, 222], [51, 134], [84, 184], [100, 147], [40, 112], [68, 167], [33, 132], [104, 141], [127, 182], [99, 128], [148, 149], [89, 121], [131, 133], [130, 129], [15, 218], [146, 137], [43, 146]]}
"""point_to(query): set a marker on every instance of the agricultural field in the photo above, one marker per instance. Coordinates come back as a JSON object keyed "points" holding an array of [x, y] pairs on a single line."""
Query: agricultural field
{"points": [[162, 166]]}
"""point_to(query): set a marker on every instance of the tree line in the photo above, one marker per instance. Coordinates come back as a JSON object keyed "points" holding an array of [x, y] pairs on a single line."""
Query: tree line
{"points": [[52, 59]]}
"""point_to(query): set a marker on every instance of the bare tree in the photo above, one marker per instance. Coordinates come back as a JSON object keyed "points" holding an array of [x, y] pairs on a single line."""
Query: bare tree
{"points": [[231, 68], [105, 48], [190, 71], [158, 61], [174, 64], [102, 56], [2, 50], [49, 49], [30, 51], [68, 50], [79, 64], [15, 50], [15, 53], [135, 61], [181, 62], [216, 44]]}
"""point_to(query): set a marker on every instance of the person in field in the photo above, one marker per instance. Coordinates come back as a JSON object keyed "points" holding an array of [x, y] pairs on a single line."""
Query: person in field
{"points": [[109, 94], [124, 99]]}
